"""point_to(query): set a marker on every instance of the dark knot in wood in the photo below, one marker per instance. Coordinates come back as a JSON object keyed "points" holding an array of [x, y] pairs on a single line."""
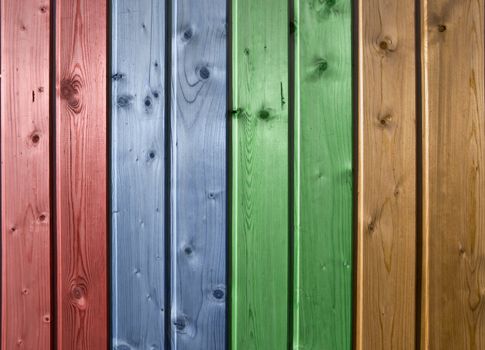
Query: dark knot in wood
{"points": [[70, 92]]}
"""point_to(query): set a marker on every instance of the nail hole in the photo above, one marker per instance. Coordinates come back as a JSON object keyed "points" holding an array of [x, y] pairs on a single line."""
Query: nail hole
{"points": [[188, 250], [151, 155], [441, 28], [43, 9], [35, 138]]}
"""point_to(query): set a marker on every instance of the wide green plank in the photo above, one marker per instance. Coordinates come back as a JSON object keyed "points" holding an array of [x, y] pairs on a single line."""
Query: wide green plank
{"points": [[323, 175], [260, 175]]}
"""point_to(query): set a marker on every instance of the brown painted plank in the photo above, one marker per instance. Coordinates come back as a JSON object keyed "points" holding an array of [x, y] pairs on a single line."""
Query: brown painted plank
{"points": [[387, 181], [453, 312], [26, 305], [81, 141]]}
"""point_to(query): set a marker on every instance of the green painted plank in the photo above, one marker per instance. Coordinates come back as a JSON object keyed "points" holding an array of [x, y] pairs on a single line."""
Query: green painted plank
{"points": [[323, 175], [260, 175]]}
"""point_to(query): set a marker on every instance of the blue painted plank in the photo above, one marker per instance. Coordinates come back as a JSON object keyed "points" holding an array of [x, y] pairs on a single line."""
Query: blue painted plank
{"points": [[198, 193], [138, 267]]}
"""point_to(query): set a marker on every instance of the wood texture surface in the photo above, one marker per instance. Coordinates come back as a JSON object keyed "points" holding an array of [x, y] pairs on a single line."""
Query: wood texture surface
{"points": [[26, 278], [386, 250], [323, 175], [81, 175], [453, 312], [138, 173], [260, 175], [198, 193]]}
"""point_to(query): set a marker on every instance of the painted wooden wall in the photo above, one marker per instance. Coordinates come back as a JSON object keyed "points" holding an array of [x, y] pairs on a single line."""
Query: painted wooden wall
{"points": [[25, 138], [260, 152], [323, 175], [198, 175], [453, 65], [81, 174], [156, 139], [138, 174]]}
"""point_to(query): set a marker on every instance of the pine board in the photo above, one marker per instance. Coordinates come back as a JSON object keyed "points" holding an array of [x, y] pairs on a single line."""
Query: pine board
{"points": [[260, 175], [323, 175], [453, 311], [81, 174], [386, 194], [198, 175], [138, 173], [25, 137]]}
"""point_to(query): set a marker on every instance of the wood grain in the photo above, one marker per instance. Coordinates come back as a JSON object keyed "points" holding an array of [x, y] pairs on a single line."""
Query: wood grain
{"points": [[386, 247], [260, 175], [81, 175], [453, 312], [198, 193], [138, 174], [25, 137], [323, 175]]}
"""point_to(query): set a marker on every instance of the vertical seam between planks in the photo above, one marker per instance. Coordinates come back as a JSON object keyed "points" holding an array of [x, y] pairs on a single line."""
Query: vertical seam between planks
{"points": [[229, 206], [168, 172], [424, 160], [52, 171], [235, 170], [360, 180], [109, 205], [291, 170], [294, 170]]}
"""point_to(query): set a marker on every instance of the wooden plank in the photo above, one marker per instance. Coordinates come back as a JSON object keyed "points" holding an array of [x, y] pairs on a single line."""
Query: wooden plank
{"points": [[137, 164], [260, 175], [26, 279], [198, 193], [323, 175], [81, 136], [386, 250], [453, 312]]}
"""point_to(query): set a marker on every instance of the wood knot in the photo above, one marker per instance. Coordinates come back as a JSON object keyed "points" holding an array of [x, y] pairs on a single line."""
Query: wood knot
{"points": [[180, 323], [321, 66], [218, 294], [385, 120], [188, 33], [264, 114], [246, 51], [386, 45], [77, 292], [117, 76], [124, 101], [204, 73], [188, 250], [70, 89], [35, 138], [42, 217]]}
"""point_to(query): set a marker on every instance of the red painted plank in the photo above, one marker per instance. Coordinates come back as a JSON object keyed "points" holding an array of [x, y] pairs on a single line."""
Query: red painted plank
{"points": [[26, 306], [81, 142]]}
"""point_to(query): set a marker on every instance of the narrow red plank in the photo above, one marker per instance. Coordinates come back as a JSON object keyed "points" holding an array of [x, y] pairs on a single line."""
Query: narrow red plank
{"points": [[81, 141], [26, 306]]}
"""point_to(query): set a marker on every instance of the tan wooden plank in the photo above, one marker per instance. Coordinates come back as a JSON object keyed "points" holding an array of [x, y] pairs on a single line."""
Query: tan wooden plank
{"points": [[453, 308], [386, 242]]}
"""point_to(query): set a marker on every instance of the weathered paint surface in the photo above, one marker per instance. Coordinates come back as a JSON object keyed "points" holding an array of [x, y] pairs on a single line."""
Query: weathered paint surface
{"points": [[26, 279], [323, 175], [260, 175], [81, 174], [198, 193], [138, 173]]}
